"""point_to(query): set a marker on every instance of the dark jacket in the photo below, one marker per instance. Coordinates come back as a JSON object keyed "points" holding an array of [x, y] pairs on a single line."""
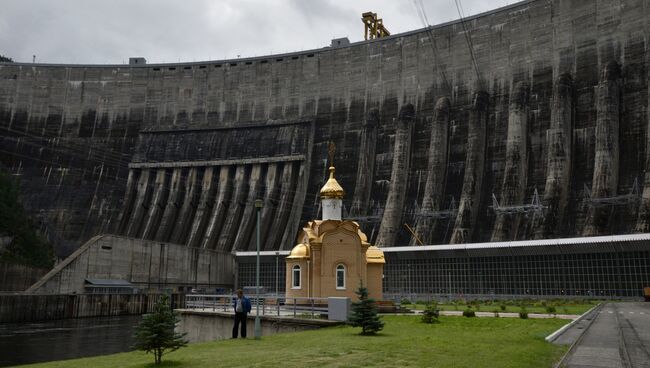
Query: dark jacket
{"points": [[246, 304]]}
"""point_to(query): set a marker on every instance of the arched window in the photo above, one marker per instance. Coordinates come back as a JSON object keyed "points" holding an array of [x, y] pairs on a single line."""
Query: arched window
{"points": [[340, 277], [295, 277]]}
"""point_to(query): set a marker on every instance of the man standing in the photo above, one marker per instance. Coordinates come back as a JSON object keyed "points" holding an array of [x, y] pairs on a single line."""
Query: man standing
{"points": [[242, 307]]}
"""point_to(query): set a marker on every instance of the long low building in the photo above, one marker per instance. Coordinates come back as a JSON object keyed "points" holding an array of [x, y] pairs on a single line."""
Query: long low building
{"points": [[591, 267]]}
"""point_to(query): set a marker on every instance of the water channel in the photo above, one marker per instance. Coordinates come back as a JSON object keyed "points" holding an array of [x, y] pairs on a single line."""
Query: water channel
{"points": [[65, 339]]}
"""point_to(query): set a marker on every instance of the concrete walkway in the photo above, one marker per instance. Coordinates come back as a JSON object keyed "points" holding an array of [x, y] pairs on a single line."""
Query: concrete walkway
{"points": [[501, 314], [618, 337]]}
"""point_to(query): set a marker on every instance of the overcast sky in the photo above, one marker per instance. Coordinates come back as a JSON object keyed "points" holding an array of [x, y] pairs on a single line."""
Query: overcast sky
{"points": [[93, 31]]}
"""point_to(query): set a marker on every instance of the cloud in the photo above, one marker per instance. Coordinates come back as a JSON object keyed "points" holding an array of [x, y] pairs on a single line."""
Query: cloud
{"points": [[93, 31]]}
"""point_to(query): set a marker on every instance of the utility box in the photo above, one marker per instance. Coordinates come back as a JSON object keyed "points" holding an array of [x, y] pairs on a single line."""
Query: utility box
{"points": [[338, 42], [137, 61], [338, 309]]}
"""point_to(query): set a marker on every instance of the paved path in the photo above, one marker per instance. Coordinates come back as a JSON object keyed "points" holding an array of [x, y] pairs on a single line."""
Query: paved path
{"points": [[510, 315], [618, 337]]}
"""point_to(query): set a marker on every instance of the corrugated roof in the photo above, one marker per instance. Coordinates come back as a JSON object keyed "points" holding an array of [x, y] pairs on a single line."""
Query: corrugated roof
{"points": [[525, 243], [108, 282], [263, 253]]}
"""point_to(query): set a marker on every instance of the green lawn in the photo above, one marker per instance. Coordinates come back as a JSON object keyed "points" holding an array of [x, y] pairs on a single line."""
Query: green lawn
{"points": [[567, 308], [405, 342]]}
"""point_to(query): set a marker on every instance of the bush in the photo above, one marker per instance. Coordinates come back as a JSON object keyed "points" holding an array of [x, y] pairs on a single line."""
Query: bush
{"points": [[469, 312], [405, 301], [550, 309], [523, 313], [156, 334], [431, 313], [364, 314], [503, 307]]}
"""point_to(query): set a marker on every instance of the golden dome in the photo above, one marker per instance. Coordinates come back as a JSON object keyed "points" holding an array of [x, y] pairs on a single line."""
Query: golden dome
{"points": [[300, 251], [374, 255], [332, 189]]}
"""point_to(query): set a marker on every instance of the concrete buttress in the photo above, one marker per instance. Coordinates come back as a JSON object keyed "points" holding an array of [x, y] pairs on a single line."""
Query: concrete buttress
{"points": [[437, 171], [606, 164], [174, 202], [474, 167], [219, 209], [558, 161], [513, 190], [391, 221], [366, 164]]}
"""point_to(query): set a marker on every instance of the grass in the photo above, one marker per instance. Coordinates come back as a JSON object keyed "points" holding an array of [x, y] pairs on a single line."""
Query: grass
{"points": [[404, 342], [512, 307]]}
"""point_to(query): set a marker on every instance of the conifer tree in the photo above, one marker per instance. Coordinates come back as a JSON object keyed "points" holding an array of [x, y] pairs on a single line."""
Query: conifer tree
{"points": [[156, 334], [364, 313]]}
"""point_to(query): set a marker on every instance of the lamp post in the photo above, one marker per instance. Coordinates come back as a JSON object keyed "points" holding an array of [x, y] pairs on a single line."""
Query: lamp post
{"points": [[258, 326]]}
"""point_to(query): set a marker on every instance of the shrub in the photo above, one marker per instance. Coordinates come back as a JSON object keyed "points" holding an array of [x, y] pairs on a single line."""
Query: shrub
{"points": [[503, 307], [469, 312], [550, 309], [431, 313], [156, 334], [523, 313], [405, 301], [364, 313]]}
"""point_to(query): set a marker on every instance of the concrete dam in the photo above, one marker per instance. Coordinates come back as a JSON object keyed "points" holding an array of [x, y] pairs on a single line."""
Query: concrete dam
{"points": [[526, 122]]}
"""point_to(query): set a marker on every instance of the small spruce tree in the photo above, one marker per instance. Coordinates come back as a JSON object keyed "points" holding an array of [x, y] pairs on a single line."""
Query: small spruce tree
{"points": [[364, 313], [431, 313], [156, 334]]}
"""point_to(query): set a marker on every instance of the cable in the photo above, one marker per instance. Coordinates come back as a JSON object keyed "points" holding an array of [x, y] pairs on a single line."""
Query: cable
{"points": [[469, 43], [419, 7]]}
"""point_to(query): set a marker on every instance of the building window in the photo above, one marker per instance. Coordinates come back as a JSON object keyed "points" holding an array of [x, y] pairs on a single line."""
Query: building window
{"points": [[340, 277], [295, 277]]}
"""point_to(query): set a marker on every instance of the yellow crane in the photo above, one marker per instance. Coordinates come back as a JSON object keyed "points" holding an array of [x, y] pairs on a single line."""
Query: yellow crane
{"points": [[410, 229], [373, 26]]}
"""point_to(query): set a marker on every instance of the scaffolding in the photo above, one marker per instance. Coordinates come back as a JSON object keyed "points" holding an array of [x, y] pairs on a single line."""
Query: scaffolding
{"points": [[621, 200], [534, 207], [450, 212], [375, 215], [373, 26]]}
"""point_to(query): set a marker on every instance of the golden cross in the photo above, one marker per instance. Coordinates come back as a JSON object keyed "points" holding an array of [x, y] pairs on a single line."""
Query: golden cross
{"points": [[331, 149]]}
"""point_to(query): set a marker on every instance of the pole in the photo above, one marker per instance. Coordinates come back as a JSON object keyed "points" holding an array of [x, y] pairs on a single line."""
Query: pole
{"points": [[449, 281], [408, 281], [277, 256], [258, 324]]}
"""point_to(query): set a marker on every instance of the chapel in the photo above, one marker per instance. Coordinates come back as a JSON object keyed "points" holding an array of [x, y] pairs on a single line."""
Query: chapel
{"points": [[333, 257]]}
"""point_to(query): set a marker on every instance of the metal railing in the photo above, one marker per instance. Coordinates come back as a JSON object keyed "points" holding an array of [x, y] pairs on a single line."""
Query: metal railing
{"points": [[279, 306]]}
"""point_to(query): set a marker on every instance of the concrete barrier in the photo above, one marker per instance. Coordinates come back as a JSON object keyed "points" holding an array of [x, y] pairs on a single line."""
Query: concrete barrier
{"points": [[202, 326]]}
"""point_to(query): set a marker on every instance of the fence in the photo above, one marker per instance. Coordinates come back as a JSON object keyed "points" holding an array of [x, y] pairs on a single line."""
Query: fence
{"points": [[269, 305], [31, 308]]}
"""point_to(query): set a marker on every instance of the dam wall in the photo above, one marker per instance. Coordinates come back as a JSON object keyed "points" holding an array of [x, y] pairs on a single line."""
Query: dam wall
{"points": [[556, 143], [147, 266]]}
